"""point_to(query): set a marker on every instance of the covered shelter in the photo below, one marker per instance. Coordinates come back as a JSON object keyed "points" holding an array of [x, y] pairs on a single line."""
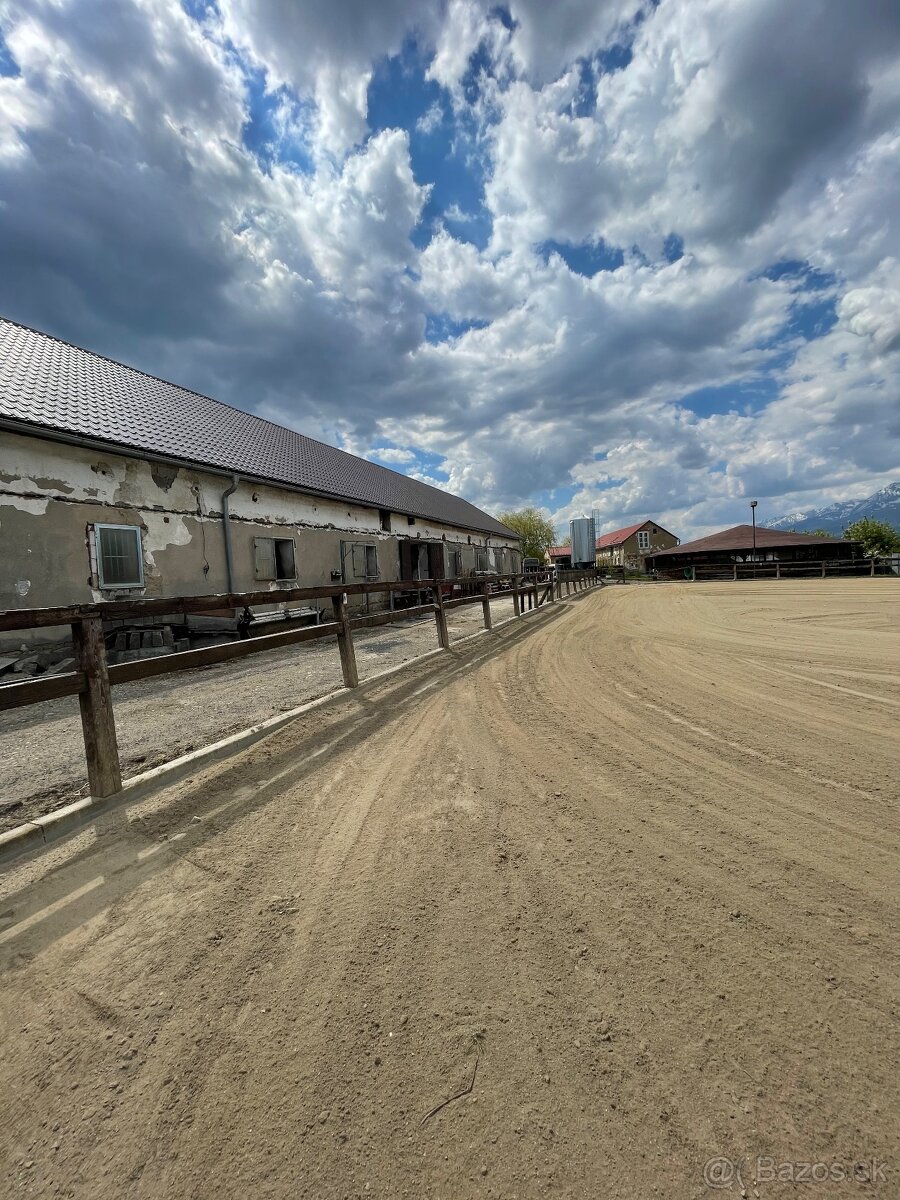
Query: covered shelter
{"points": [[720, 555]]}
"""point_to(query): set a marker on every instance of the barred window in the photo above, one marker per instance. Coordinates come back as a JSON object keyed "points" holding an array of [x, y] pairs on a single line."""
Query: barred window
{"points": [[120, 561]]}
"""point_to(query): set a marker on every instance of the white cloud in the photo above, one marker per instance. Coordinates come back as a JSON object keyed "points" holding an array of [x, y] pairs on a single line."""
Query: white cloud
{"points": [[325, 52], [873, 312], [137, 217], [392, 454], [430, 119]]}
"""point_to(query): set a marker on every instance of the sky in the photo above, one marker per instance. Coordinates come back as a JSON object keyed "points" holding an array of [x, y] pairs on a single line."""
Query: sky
{"points": [[640, 257]]}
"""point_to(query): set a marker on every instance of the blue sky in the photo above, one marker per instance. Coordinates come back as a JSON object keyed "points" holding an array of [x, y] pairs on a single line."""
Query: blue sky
{"points": [[620, 256]]}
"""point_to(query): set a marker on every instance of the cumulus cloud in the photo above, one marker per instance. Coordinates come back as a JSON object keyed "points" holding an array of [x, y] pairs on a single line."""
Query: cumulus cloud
{"points": [[392, 454], [661, 274], [430, 119]]}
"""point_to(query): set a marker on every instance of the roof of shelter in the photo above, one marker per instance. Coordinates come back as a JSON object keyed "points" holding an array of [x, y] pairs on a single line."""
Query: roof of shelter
{"points": [[740, 537]]}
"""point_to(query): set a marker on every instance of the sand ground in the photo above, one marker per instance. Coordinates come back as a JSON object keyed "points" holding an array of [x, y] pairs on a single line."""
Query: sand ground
{"points": [[626, 870], [41, 747]]}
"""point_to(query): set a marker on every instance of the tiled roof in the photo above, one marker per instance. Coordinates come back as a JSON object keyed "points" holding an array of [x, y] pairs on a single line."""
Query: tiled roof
{"points": [[48, 383], [559, 551], [740, 537], [618, 536]]}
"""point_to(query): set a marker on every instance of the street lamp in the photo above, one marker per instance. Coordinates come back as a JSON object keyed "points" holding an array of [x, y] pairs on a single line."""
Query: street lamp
{"points": [[753, 504]]}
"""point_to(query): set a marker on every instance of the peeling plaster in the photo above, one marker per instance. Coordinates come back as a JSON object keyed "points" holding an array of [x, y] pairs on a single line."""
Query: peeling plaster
{"points": [[163, 476], [179, 511], [161, 533], [36, 505]]}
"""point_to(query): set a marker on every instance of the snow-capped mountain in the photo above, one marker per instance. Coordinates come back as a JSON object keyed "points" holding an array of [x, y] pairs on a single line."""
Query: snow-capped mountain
{"points": [[883, 506]]}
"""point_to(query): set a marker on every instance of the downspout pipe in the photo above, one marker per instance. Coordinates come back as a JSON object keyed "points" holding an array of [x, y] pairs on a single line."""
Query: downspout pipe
{"points": [[226, 526]]}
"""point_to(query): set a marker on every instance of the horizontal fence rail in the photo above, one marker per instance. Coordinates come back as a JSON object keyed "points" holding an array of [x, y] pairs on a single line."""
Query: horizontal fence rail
{"points": [[93, 678], [773, 569]]}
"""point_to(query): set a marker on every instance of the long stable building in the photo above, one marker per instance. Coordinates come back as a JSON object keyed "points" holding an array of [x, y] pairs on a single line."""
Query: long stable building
{"points": [[118, 485], [720, 553]]}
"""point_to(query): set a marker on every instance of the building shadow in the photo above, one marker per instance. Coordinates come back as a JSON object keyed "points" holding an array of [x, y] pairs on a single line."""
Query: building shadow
{"points": [[128, 850]]}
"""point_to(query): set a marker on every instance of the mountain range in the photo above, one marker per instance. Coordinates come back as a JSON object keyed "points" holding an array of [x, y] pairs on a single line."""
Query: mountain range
{"points": [[882, 506]]}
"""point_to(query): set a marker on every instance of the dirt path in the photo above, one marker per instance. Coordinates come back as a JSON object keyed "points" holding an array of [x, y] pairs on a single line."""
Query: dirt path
{"points": [[633, 863]]}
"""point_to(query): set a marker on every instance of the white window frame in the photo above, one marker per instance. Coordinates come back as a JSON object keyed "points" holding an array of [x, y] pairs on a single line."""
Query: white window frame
{"points": [[643, 539], [98, 550]]}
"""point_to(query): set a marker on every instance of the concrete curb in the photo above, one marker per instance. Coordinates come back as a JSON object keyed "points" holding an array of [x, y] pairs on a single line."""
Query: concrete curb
{"points": [[63, 822]]}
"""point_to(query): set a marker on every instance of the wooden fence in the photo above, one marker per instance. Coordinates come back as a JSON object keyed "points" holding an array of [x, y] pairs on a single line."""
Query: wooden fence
{"points": [[818, 569], [93, 677]]}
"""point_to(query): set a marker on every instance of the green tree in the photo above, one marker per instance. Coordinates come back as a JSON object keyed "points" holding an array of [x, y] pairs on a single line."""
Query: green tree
{"points": [[821, 533], [877, 538], [537, 533]]}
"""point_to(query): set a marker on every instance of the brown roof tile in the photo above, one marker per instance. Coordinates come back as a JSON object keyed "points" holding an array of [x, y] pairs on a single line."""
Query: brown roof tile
{"points": [[740, 537]]}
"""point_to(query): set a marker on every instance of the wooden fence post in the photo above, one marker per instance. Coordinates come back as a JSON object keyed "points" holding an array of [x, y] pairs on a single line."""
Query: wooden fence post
{"points": [[872, 565], [440, 619], [823, 568], [345, 641], [517, 604], [486, 607], [97, 720]]}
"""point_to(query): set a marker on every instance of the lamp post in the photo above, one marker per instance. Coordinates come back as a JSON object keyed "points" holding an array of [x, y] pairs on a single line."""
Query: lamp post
{"points": [[753, 504]]}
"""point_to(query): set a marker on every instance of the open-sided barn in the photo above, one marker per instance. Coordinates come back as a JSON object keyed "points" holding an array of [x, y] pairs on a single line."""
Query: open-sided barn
{"points": [[744, 544]]}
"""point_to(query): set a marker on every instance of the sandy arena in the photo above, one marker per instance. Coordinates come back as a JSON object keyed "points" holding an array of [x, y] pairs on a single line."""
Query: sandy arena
{"points": [[624, 874]]}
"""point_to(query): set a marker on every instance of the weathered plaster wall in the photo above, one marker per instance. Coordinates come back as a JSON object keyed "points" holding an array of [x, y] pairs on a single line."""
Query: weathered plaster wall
{"points": [[51, 495]]}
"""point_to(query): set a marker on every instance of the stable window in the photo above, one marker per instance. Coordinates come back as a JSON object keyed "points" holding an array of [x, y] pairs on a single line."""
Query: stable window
{"points": [[454, 562], [360, 560], [275, 558], [643, 539], [120, 562], [384, 517]]}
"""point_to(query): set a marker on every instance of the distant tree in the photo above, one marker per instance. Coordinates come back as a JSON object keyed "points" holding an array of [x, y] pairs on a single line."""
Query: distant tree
{"points": [[821, 533], [537, 533], [566, 541], [877, 538]]}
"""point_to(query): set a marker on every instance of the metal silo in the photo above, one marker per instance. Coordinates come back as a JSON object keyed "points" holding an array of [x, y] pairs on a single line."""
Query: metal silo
{"points": [[584, 541]]}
